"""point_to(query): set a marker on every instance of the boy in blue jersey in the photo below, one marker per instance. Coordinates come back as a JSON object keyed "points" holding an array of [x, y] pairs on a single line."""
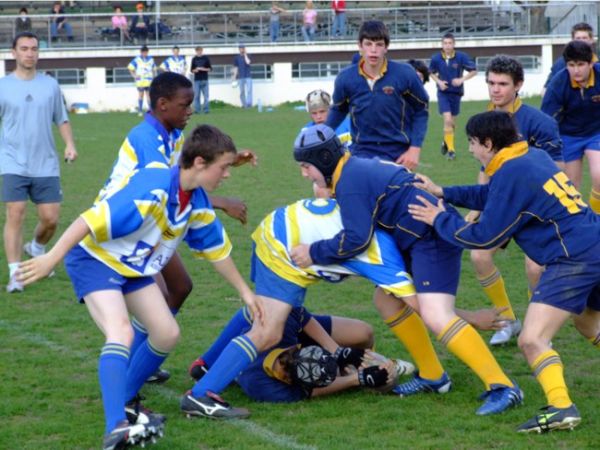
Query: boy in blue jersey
{"points": [[386, 101], [174, 63], [143, 70], [111, 253], [580, 32], [317, 105], [573, 99], [529, 199], [447, 68], [374, 194], [504, 77]]}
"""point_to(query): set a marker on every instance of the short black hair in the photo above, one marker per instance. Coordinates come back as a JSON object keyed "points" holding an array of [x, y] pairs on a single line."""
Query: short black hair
{"points": [[374, 30], [208, 142], [144, 48], [497, 126], [506, 65], [24, 34], [420, 67], [448, 36], [582, 26], [166, 85], [578, 51], [175, 47], [23, 9]]}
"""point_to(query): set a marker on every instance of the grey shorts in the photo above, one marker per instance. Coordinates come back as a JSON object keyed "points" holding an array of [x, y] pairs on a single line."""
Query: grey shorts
{"points": [[16, 188]]}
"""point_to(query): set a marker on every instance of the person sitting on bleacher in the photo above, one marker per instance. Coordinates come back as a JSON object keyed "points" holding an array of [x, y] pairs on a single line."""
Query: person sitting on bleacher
{"points": [[59, 22], [23, 22], [140, 24], [119, 23]]}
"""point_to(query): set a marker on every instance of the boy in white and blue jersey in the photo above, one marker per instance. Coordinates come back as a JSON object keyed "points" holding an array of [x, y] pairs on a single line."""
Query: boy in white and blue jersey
{"points": [[143, 71], [174, 63], [125, 239]]}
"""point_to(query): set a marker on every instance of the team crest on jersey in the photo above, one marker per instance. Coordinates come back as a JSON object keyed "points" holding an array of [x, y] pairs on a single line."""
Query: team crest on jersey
{"points": [[389, 90], [595, 98], [455, 65]]}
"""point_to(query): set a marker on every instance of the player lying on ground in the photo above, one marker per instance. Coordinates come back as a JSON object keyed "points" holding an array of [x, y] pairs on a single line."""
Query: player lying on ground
{"points": [[112, 252]]}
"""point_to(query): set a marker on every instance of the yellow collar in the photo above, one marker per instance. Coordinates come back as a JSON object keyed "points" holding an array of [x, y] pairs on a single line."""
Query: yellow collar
{"points": [[338, 172], [452, 55], [590, 82], [362, 72], [269, 363], [513, 108], [506, 154]]}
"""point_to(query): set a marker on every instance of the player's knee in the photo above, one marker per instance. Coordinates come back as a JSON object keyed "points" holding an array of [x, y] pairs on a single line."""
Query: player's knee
{"points": [[588, 326], [264, 338], [120, 332], [481, 260], [49, 222], [529, 345], [166, 338], [368, 335]]}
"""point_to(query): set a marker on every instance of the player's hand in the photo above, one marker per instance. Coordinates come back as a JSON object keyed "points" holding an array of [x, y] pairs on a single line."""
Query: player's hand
{"points": [[346, 356], [427, 211], [372, 376], [489, 318], [425, 183], [256, 307], [301, 255], [472, 216], [70, 154], [245, 156], [410, 158], [443, 85], [34, 269], [236, 208], [457, 82]]}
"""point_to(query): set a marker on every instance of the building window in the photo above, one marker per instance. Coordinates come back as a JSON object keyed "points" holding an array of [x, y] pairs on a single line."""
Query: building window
{"points": [[71, 77], [118, 75], [529, 62], [222, 72], [318, 69]]}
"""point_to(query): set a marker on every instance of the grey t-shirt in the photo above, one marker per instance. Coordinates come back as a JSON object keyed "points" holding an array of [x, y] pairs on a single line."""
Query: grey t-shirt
{"points": [[27, 110]]}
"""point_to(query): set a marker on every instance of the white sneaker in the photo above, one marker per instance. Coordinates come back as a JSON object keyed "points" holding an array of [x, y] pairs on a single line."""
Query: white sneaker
{"points": [[14, 286], [28, 248], [510, 330], [404, 367]]}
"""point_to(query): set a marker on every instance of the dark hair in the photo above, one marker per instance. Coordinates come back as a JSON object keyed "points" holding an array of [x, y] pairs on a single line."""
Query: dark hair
{"points": [[166, 85], [497, 126], [374, 30], [420, 67], [448, 36], [144, 48], [578, 51], [175, 47], [198, 48], [24, 34], [208, 142], [23, 9], [506, 65], [582, 26], [117, 7]]}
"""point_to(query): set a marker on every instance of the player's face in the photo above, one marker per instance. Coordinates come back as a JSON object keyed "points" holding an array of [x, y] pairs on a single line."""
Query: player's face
{"points": [[176, 111], [579, 71], [583, 36], [26, 53], [502, 89], [319, 115], [313, 174], [448, 45], [176, 52], [373, 52], [211, 175], [481, 151]]}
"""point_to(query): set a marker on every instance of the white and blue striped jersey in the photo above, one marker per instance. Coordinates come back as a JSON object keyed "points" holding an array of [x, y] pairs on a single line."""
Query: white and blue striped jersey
{"points": [[144, 69], [174, 64], [308, 221], [136, 230]]}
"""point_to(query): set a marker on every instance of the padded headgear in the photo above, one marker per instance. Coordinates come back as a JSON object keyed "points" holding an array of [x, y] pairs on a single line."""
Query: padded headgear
{"points": [[317, 99], [313, 366], [318, 145]]}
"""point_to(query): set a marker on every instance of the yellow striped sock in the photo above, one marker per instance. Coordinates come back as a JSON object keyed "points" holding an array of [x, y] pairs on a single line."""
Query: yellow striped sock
{"points": [[548, 370], [462, 340], [494, 288], [449, 140], [595, 341], [410, 330], [595, 201]]}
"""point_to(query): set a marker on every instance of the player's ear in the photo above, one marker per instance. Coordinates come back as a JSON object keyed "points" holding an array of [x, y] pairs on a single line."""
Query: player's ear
{"points": [[200, 162]]}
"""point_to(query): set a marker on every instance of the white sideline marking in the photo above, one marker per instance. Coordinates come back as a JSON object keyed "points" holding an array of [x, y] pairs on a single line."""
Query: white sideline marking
{"points": [[257, 430]]}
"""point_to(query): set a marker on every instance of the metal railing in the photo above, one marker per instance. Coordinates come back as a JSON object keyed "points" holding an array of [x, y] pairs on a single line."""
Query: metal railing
{"points": [[253, 27]]}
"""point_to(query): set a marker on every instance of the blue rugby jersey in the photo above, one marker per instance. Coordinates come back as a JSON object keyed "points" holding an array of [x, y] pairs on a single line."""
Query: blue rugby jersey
{"points": [[148, 145], [174, 64], [576, 109], [529, 199], [371, 193], [446, 69], [537, 128], [136, 230], [393, 112], [559, 65], [144, 69]]}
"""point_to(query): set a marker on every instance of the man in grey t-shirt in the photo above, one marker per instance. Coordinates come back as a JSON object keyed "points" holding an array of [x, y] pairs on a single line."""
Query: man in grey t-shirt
{"points": [[29, 104]]}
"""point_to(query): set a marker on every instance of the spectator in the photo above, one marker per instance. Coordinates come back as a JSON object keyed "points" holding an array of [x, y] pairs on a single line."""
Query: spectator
{"points": [[339, 18], [200, 67], [243, 75], [140, 24], [59, 22], [119, 23], [23, 22], [309, 22], [274, 13]]}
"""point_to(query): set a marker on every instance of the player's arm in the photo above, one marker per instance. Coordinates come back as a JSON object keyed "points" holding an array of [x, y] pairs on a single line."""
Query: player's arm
{"points": [[233, 207], [340, 104], [66, 132], [551, 102], [317, 333], [417, 97], [470, 74], [546, 137]]}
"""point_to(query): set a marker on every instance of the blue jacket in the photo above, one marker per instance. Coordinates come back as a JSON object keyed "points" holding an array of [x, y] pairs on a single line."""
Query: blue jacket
{"points": [[448, 69], [529, 199]]}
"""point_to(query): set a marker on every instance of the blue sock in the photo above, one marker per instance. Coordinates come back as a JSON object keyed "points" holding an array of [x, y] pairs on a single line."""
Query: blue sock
{"points": [[140, 334], [239, 324], [112, 370], [144, 363], [140, 105], [238, 355]]}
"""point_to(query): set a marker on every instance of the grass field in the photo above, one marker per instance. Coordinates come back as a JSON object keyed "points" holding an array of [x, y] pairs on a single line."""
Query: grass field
{"points": [[49, 391]]}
